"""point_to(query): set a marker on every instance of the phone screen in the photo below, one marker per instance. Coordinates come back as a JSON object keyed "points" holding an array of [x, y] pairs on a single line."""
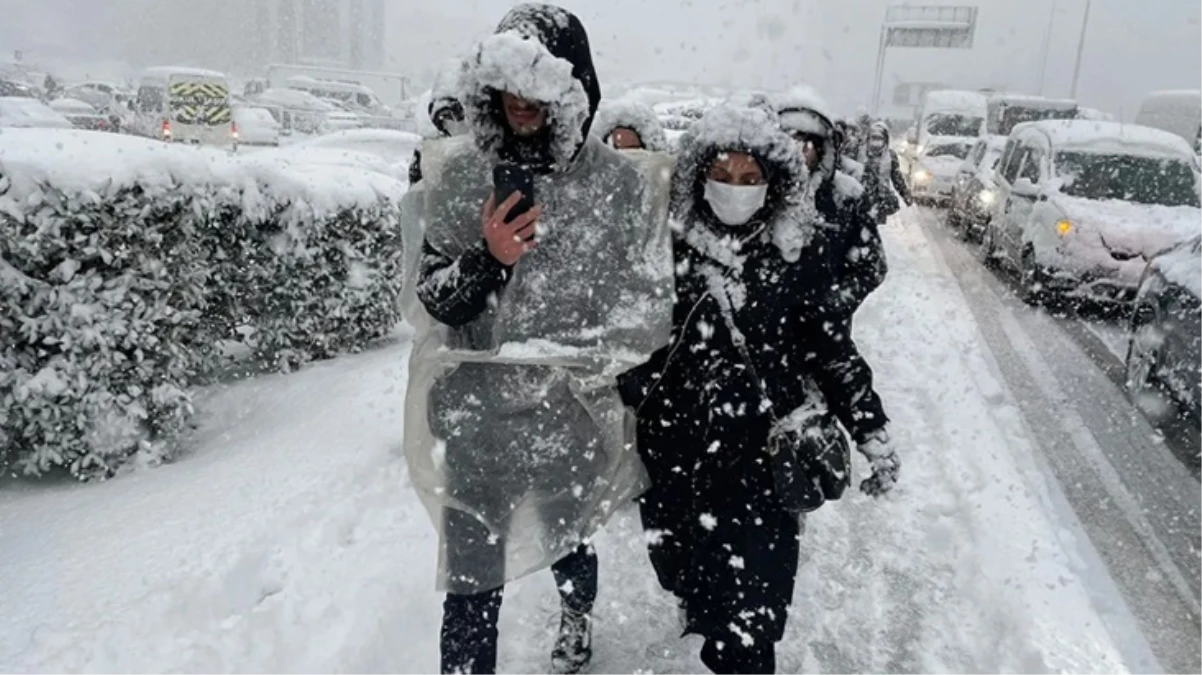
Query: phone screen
{"points": [[510, 178]]}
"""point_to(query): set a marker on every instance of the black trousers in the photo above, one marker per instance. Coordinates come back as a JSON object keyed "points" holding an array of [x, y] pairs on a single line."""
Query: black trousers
{"points": [[469, 622]]}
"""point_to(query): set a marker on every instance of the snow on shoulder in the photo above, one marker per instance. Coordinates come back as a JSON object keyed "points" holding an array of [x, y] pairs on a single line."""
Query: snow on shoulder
{"points": [[1096, 136], [92, 165]]}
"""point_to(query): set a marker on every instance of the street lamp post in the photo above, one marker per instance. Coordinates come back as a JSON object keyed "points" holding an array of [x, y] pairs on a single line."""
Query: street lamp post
{"points": [[1047, 45], [880, 71], [1080, 49]]}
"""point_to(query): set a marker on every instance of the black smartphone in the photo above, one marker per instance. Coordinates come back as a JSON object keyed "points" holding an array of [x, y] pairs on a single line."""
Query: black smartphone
{"points": [[510, 178]]}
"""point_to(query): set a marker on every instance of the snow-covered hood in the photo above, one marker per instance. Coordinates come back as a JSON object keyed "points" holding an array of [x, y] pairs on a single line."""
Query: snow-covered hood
{"points": [[1134, 229], [634, 115], [943, 166], [805, 99], [790, 204], [541, 53]]}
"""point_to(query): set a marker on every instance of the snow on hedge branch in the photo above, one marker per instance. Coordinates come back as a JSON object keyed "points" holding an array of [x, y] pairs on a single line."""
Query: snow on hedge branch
{"points": [[125, 261]]}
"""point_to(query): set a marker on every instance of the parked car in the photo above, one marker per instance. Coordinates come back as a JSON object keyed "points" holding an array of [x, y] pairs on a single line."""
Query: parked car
{"points": [[25, 113], [1007, 111], [256, 126], [1164, 354], [82, 115], [104, 96], [381, 150], [16, 89], [1082, 207], [974, 192], [934, 167]]}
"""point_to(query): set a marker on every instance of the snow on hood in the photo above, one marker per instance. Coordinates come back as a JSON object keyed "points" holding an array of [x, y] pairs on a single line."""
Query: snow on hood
{"points": [[24, 113], [91, 164], [803, 109], [632, 115], [789, 210], [541, 53], [1143, 229]]}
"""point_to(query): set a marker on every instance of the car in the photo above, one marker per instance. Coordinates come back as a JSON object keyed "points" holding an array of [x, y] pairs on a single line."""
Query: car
{"points": [[82, 115], [1164, 354], [185, 105], [16, 89], [28, 113], [104, 96], [934, 167], [256, 126], [1082, 207], [296, 111], [974, 192]]}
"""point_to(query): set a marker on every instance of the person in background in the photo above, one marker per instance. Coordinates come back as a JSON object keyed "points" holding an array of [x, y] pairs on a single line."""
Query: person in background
{"points": [[755, 354], [630, 125], [515, 432], [882, 178], [856, 251], [846, 163], [445, 111]]}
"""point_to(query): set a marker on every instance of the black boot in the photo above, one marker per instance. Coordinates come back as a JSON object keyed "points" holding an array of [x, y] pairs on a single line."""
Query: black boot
{"points": [[574, 646], [576, 577], [469, 632]]}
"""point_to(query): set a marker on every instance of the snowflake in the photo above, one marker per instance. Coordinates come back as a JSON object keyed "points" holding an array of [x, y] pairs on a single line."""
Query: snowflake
{"points": [[736, 562], [708, 521]]}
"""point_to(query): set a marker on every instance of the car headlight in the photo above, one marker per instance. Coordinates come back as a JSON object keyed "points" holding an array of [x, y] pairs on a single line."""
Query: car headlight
{"points": [[1064, 227], [987, 197], [922, 176]]}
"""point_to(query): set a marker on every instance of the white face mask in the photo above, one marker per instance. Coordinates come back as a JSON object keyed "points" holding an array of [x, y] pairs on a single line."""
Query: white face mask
{"points": [[735, 204]]}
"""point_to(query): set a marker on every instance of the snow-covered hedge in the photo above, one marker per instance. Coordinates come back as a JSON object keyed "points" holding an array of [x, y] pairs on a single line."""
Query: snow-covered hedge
{"points": [[125, 263]]}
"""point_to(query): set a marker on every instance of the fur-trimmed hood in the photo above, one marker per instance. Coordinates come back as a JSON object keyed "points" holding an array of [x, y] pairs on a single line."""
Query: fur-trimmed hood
{"points": [[541, 53], [632, 115], [788, 214], [803, 109]]}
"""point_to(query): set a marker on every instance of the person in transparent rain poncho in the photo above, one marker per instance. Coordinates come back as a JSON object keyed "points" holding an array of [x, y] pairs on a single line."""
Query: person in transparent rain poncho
{"points": [[516, 436], [630, 125], [758, 351]]}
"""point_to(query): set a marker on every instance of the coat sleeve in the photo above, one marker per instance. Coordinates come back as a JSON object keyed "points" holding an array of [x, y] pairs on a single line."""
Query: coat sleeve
{"points": [[859, 264], [455, 290], [899, 181], [843, 376]]}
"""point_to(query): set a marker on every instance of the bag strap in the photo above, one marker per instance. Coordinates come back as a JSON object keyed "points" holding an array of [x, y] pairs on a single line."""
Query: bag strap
{"points": [[740, 341]]}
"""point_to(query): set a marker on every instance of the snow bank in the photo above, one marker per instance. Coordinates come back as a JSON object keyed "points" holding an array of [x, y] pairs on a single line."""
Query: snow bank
{"points": [[135, 259]]}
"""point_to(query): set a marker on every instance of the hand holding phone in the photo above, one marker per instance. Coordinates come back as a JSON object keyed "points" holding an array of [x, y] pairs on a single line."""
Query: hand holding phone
{"points": [[509, 239], [510, 178]]}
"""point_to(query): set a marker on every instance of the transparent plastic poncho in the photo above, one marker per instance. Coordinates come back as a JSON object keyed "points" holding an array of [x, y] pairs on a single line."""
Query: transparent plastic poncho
{"points": [[516, 437]]}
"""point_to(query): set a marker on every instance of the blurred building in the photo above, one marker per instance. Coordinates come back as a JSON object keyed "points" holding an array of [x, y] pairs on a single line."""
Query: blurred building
{"points": [[242, 37]]}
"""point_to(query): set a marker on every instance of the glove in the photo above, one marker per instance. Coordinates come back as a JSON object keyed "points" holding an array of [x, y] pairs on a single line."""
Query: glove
{"points": [[885, 464]]}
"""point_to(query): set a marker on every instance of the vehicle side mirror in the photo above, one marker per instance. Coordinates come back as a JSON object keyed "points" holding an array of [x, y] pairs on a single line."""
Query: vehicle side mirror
{"points": [[1023, 187]]}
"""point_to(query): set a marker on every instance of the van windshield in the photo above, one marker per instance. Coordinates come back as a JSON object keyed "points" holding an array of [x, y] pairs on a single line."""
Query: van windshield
{"points": [[950, 124]]}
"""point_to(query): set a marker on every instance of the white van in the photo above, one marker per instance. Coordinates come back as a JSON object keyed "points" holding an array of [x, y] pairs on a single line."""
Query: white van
{"points": [[949, 124], [1177, 112], [186, 105]]}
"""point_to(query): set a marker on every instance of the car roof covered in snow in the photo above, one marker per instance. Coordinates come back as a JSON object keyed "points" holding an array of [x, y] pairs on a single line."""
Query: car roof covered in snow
{"points": [[1034, 101], [72, 105], [1095, 136]]}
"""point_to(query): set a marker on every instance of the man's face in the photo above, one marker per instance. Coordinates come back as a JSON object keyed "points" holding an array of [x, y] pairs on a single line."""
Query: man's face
{"points": [[525, 118], [808, 144], [624, 138]]}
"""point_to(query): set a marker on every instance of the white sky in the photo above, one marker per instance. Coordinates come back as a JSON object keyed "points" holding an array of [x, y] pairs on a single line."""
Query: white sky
{"points": [[1134, 46]]}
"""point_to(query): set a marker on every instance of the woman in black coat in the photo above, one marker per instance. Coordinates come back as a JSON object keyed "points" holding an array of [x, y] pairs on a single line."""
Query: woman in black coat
{"points": [[758, 346], [883, 182]]}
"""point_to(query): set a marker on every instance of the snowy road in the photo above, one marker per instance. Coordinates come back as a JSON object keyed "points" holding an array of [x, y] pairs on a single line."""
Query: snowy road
{"points": [[289, 540], [1137, 501]]}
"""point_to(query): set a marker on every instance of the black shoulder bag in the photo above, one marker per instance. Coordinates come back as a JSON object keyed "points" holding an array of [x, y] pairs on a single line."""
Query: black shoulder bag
{"points": [[810, 454]]}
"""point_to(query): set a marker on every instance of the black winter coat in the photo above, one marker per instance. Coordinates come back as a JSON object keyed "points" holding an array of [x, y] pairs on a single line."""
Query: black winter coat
{"points": [[855, 253], [727, 546]]}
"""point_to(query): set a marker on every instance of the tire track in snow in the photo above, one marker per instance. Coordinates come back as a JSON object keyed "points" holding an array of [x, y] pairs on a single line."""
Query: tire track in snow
{"points": [[1137, 504]]}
